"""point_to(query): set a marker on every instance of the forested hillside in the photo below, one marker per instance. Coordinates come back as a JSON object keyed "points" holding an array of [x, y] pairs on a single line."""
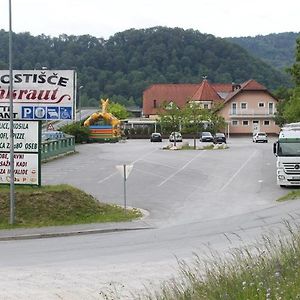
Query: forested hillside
{"points": [[128, 62], [278, 50]]}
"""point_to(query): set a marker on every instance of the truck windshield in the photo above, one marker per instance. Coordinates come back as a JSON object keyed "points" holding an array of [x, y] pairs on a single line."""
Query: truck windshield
{"points": [[289, 149]]}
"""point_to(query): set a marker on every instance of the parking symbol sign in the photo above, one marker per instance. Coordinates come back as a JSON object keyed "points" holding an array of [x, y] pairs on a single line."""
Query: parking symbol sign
{"points": [[27, 112]]}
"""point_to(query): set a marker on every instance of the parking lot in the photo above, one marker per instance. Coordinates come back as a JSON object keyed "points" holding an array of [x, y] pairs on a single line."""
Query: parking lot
{"points": [[174, 186]]}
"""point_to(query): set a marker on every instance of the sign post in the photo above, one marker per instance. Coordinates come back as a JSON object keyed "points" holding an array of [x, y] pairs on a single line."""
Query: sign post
{"points": [[124, 171]]}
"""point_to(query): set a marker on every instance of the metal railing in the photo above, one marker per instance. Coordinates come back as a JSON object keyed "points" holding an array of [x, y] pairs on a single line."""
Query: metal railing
{"points": [[55, 148]]}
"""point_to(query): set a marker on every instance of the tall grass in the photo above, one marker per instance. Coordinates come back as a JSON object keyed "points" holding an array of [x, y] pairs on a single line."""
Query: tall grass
{"points": [[270, 271]]}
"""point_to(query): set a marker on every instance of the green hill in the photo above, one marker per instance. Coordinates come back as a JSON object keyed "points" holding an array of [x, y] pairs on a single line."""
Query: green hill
{"points": [[278, 50], [128, 62]]}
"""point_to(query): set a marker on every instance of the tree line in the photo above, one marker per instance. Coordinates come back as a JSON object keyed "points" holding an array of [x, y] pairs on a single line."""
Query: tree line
{"points": [[123, 66]]}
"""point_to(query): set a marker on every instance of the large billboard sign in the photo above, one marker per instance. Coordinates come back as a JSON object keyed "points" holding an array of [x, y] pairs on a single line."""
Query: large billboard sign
{"points": [[26, 152], [26, 136], [26, 168], [38, 94]]}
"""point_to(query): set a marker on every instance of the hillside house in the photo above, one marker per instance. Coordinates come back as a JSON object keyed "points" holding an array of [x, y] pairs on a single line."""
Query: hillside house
{"points": [[246, 107]]}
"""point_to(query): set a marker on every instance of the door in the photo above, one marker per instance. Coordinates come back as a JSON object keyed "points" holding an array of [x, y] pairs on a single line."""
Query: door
{"points": [[255, 126], [233, 109]]}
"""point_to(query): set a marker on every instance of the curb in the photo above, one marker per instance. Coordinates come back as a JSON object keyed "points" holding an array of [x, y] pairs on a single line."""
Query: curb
{"points": [[70, 233]]}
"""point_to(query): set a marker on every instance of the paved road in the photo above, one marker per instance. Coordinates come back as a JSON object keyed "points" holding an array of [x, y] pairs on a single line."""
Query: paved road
{"points": [[197, 200]]}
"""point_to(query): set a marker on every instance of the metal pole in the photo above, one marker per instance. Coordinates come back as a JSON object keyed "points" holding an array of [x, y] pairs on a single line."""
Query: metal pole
{"points": [[124, 168], [79, 102], [11, 128]]}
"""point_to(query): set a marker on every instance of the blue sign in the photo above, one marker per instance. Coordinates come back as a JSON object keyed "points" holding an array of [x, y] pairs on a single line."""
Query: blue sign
{"points": [[40, 113], [65, 113], [27, 112], [52, 113]]}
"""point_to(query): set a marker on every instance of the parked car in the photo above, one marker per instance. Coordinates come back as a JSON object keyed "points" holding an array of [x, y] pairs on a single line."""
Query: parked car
{"points": [[177, 135], [260, 137], [219, 138], [206, 136], [156, 137]]}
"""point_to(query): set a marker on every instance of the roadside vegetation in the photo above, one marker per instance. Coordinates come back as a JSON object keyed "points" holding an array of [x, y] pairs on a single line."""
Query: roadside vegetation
{"points": [[58, 205], [268, 271], [295, 194]]}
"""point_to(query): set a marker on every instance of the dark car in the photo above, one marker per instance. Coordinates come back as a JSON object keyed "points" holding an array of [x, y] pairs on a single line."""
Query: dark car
{"points": [[219, 138], [206, 136], [156, 137]]}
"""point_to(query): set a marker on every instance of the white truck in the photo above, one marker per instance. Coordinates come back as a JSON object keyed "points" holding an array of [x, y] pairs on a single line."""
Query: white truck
{"points": [[287, 150]]}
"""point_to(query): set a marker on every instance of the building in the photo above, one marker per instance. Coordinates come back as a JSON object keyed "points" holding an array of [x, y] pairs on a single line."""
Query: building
{"points": [[246, 107]]}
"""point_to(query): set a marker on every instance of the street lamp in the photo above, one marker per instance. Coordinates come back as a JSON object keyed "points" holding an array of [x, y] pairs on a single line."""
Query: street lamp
{"points": [[79, 101]]}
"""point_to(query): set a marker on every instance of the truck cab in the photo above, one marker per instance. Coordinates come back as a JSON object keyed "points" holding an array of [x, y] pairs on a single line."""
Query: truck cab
{"points": [[287, 150]]}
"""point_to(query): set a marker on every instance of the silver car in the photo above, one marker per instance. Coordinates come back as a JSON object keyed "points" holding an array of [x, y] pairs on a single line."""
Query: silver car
{"points": [[260, 137]]}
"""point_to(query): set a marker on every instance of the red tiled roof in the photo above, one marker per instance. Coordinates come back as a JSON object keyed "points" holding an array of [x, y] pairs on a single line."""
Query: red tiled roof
{"points": [[222, 87], [177, 93], [250, 85], [206, 92]]}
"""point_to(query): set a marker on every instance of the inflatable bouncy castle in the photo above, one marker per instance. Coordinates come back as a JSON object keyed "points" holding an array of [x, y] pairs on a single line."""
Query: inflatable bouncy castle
{"points": [[104, 126]]}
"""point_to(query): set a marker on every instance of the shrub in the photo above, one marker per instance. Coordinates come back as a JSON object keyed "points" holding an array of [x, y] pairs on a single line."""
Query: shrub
{"points": [[80, 132]]}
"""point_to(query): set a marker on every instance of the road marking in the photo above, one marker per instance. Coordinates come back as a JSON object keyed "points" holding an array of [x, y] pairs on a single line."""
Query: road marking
{"points": [[113, 174], [238, 171], [171, 176]]}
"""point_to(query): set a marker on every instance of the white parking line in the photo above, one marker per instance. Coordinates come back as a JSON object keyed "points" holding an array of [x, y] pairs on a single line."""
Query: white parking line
{"points": [[113, 174], [178, 171], [238, 171]]}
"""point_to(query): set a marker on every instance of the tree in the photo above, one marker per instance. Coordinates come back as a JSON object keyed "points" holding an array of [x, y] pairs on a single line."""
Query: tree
{"points": [[291, 111], [118, 110], [292, 108], [170, 117], [193, 118]]}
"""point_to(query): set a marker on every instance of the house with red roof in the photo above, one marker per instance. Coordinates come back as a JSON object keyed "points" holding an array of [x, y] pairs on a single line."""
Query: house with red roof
{"points": [[246, 107]]}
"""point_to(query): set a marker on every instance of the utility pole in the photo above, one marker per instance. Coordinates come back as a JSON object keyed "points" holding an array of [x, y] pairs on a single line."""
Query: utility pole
{"points": [[11, 125]]}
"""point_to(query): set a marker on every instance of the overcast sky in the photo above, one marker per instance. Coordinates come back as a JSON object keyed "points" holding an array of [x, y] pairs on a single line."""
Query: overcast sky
{"points": [[100, 18]]}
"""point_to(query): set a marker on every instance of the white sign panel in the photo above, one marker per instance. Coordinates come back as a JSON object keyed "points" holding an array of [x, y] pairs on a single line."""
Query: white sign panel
{"points": [[124, 170], [38, 94], [26, 168], [26, 136]]}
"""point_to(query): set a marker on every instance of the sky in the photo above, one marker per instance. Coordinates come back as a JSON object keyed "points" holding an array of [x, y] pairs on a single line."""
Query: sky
{"points": [[102, 19]]}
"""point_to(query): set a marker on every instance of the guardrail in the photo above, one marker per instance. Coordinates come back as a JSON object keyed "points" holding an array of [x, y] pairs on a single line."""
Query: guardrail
{"points": [[54, 148]]}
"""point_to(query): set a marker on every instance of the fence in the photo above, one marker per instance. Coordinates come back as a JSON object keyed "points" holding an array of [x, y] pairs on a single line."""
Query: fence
{"points": [[55, 148]]}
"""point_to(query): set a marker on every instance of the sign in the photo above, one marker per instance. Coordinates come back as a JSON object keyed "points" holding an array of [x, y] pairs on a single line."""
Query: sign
{"points": [[124, 170], [38, 94], [50, 127], [26, 168], [26, 136]]}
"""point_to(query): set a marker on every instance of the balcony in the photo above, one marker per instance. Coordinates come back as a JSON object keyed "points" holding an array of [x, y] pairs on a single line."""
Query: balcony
{"points": [[252, 113]]}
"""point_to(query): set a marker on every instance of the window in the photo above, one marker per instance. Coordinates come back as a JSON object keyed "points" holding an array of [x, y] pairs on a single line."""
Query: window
{"points": [[205, 106], [271, 108], [245, 122], [233, 108], [154, 103], [261, 104], [266, 122], [243, 105], [235, 122]]}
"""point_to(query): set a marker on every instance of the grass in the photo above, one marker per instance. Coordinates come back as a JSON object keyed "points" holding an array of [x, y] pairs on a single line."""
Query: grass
{"points": [[267, 272], [58, 205], [293, 195]]}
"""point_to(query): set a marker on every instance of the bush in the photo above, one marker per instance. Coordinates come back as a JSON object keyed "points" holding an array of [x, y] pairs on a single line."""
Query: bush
{"points": [[80, 132]]}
